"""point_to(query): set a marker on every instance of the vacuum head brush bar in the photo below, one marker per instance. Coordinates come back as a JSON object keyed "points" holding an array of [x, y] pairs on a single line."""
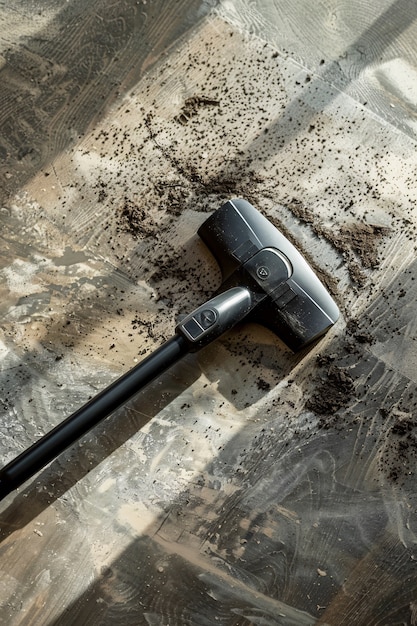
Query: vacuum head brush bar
{"points": [[265, 280]]}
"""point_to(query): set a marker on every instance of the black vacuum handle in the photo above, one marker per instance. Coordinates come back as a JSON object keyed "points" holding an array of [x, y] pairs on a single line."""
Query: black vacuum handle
{"points": [[202, 326], [101, 406]]}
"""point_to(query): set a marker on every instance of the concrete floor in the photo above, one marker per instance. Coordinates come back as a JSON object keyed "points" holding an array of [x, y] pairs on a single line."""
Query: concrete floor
{"points": [[247, 485]]}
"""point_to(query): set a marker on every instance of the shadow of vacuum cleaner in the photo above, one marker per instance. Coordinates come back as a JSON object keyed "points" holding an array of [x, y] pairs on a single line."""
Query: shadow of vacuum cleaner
{"points": [[265, 280]]}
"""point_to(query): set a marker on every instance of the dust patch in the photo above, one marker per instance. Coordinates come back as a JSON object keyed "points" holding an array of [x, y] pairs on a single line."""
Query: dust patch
{"points": [[363, 239], [358, 242]]}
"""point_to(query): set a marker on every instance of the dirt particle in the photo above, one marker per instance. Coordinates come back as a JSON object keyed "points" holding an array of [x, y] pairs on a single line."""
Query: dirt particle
{"points": [[263, 385], [192, 106], [136, 220], [333, 393], [397, 462], [361, 335]]}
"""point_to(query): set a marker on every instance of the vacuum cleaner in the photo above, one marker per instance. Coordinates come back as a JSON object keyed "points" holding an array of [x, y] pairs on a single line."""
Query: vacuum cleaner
{"points": [[264, 280]]}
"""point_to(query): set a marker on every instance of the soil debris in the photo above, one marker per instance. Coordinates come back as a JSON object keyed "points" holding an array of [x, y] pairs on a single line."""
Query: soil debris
{"points": [[236, 178], [357, 242], [399, 457], [136, 220], [173, 195], [263, 385], [363, 239], [192, 106], [325, 359], [334, 393], [357, 331]]}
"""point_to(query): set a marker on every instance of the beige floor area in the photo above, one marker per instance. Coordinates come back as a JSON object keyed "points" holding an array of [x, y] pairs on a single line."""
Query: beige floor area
{"points": [[247, 485]]}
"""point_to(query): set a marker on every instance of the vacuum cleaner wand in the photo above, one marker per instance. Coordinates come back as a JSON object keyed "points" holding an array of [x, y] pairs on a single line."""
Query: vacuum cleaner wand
{"points": [[265, 280]]}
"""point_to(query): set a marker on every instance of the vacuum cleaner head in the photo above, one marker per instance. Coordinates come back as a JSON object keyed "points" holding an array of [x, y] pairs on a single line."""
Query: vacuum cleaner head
{"points": [[286, 295]]}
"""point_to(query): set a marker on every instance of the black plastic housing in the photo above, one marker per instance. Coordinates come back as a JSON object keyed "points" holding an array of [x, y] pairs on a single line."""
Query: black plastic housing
{"points": [[291, 299]]}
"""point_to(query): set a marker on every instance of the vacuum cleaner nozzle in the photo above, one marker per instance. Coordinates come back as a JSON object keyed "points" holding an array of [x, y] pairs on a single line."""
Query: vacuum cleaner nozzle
{"points": [[265, 279]]}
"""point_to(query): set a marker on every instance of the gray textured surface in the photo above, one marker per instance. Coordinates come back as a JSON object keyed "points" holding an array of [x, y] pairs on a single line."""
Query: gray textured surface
{"points": [[247, 485]]}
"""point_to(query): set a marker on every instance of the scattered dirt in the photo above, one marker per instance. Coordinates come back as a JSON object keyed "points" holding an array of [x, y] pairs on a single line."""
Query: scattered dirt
{"points": [[102, 191], [192, 106], [263, 385], [357, 242], [359, 332], [363, 239], [135, 219], [237, 178], [146, 327], [332, 394], [173, 195], [399, 457]]}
